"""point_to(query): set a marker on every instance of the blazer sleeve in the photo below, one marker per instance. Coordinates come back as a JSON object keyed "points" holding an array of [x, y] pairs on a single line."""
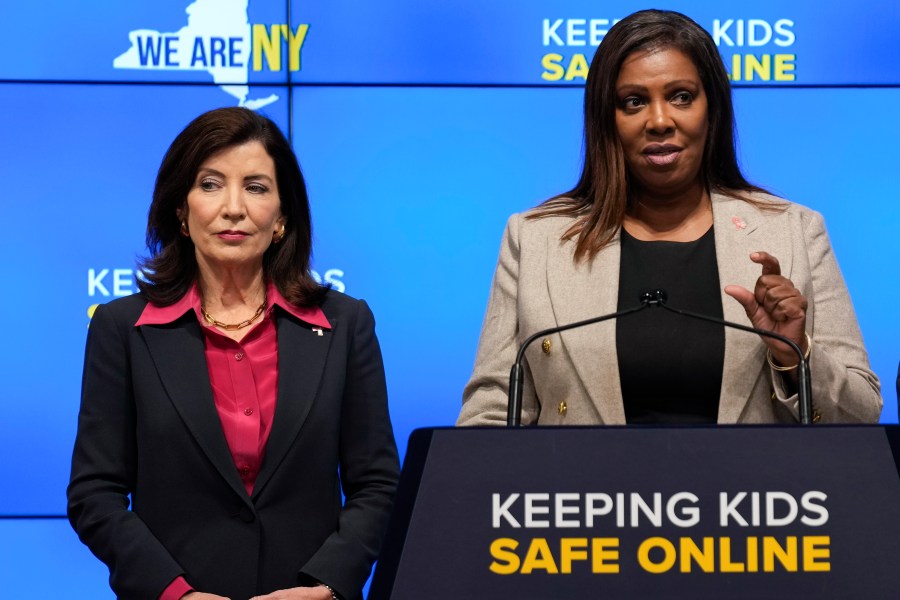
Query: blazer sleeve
{"points": [[369, 466], [844, 388], [103, 468], [485, 395]]}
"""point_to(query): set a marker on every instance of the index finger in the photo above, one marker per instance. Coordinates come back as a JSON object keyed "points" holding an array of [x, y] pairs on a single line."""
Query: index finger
{"points": [[770, 264]]}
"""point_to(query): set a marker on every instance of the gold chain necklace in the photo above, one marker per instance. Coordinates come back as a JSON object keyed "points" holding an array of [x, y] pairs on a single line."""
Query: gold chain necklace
{"points": [[233, 326]]}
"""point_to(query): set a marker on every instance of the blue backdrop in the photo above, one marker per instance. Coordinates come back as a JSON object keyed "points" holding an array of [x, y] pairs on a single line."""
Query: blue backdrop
{"points": [[420, 127]]}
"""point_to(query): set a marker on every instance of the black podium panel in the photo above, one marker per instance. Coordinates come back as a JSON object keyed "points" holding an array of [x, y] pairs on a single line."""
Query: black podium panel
{"points": [[614, 512]]}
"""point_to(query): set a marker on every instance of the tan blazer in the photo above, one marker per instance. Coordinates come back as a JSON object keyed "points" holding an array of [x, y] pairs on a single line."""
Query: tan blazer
{"points": [[538, 285]]}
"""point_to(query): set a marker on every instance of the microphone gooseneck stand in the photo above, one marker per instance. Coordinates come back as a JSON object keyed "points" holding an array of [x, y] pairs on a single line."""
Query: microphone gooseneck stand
{"points": [[655, 298]]}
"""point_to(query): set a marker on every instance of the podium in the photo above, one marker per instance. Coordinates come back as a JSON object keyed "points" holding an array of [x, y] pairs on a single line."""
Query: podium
{"points": [[646, 512]]}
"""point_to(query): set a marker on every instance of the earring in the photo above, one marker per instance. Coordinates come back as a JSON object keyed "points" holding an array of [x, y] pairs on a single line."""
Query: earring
{"points": [[278, 235], [184, 229]]}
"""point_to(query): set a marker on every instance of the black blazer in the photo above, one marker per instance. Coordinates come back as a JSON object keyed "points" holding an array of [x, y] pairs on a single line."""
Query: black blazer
{"points": [[148, 428]]}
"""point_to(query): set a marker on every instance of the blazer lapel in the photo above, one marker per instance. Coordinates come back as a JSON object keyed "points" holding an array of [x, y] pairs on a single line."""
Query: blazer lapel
{"points": [[741, 229], [302, 355], [178, 353], [580, 291]]}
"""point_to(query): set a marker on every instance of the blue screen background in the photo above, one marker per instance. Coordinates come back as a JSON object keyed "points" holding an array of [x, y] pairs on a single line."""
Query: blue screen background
{"points": [[410, 188]]}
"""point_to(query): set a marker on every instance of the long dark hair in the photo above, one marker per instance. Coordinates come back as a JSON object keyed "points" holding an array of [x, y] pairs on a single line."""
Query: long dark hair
{"points": [[600, 199], [171, 268]]}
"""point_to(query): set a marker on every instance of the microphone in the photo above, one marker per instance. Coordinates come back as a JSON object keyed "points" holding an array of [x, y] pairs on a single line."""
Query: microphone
{"points": [[517, 373], [804, 391], [656, 298]]}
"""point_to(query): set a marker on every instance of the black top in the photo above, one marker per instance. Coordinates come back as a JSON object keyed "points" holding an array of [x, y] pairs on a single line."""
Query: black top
{"points": [[670, 366]]}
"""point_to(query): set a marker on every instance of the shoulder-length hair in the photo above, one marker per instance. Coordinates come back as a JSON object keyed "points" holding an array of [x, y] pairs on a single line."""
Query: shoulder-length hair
{"points": [[600, 199], [171, 267]]}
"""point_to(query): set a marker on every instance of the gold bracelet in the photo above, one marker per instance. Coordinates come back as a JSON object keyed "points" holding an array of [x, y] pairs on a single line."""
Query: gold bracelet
{"points": [[782, 369]]}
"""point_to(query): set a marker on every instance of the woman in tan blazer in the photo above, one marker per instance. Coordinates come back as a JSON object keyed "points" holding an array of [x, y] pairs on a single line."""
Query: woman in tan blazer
{"points": [[662, 203]]}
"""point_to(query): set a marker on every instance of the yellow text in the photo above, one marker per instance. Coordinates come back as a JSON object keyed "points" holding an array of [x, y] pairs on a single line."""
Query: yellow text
{"points": [[268, 42], [750, 555], [557, 67], [767, 67], [601, 554]]}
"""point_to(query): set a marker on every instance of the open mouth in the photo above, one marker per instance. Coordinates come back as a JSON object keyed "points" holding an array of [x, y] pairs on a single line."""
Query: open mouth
{"points": [[663, 157]]}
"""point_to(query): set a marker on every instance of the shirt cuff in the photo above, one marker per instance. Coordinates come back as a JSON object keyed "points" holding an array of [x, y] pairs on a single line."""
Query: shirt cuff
{"points": [[175, 590]]}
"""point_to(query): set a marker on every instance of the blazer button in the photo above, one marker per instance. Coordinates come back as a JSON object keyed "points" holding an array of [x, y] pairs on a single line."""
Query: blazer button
{"points": [[563, 408], [546, 345], [246, 515]]}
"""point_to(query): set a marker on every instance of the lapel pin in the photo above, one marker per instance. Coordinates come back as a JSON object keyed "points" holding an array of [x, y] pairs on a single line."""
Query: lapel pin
{"points": [[318, 331], [738, 223]]}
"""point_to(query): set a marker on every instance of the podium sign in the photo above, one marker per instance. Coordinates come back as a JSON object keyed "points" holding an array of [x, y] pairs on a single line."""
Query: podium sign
{"points": [[615, 512]]}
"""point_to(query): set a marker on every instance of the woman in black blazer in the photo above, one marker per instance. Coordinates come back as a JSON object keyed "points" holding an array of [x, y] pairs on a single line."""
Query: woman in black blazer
{"points": [[234, 400]]}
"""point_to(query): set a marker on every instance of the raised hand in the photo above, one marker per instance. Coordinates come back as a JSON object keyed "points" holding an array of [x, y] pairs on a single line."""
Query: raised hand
{"points": [[776, 305]]}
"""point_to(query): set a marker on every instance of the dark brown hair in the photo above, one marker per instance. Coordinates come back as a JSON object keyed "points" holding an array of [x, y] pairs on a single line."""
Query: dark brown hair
{"points": [[171, 268], [600, 199]]}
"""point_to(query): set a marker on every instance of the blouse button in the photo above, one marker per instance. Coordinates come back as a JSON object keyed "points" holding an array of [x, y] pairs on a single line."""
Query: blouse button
{"points": [[239, 356], [248, 411]]}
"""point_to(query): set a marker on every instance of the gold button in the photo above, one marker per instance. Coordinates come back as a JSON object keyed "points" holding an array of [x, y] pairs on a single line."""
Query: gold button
{"points": [[546, 345], [816, 417], [562, 408]]}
